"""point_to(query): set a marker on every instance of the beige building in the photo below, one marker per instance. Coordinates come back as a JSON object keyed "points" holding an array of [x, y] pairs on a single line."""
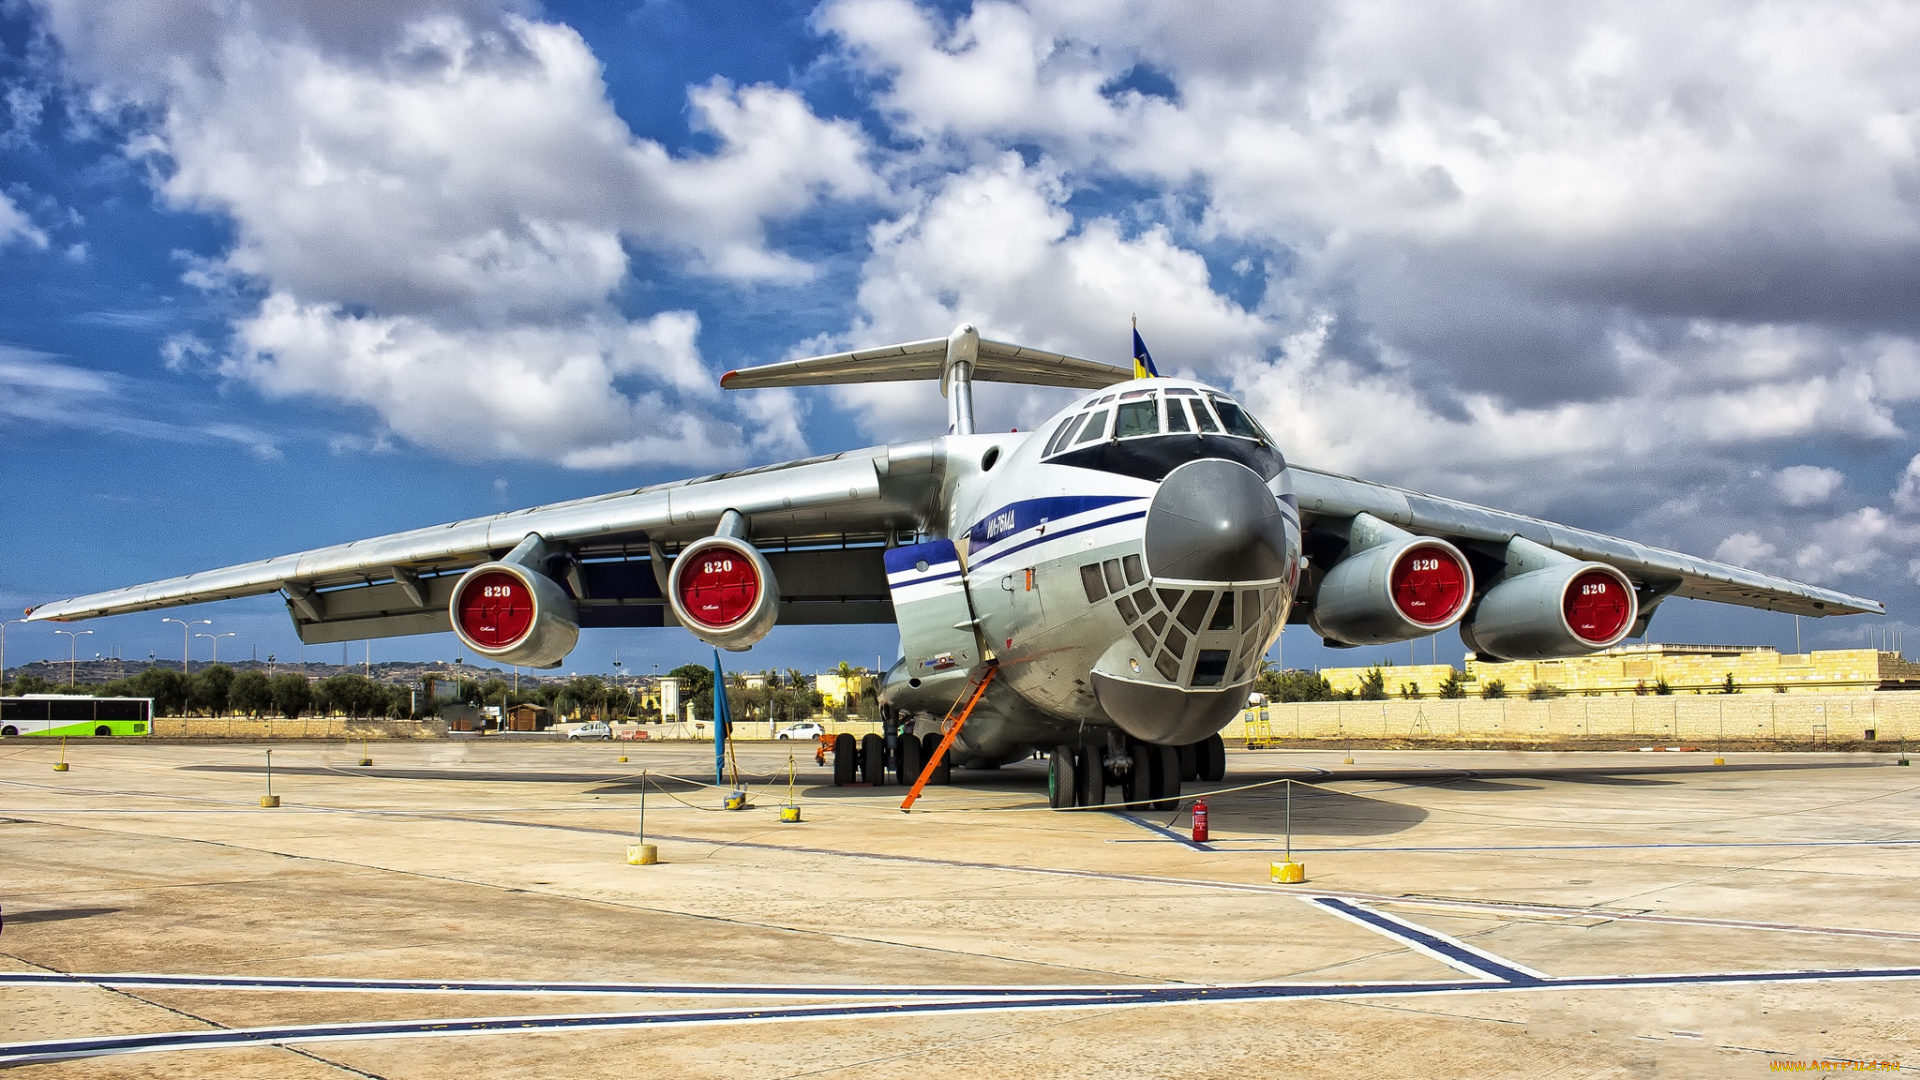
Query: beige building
{"points": [[1638, 669], [842, 690]]}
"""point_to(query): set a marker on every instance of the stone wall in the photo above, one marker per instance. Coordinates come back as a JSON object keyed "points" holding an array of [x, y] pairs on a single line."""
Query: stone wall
{"points": [[306, 727], [1689, 718]]}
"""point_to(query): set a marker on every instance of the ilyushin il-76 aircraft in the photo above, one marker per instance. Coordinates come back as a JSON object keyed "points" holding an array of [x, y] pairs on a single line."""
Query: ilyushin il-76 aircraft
{"points": [[1113, 578]]}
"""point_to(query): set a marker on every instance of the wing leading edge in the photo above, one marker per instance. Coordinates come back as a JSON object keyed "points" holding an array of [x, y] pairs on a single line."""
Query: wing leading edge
{"points": [[1666, 573], [808, 503]]}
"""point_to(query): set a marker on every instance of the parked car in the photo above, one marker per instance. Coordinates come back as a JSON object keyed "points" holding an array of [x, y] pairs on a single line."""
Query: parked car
{"points": [[597, 729], [808, 730]]}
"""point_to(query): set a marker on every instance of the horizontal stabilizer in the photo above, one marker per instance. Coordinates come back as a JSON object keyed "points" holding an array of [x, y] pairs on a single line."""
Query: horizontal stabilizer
{"points": [[996, 362]]}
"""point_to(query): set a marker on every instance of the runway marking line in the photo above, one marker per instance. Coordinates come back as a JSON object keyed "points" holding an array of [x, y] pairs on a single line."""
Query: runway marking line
{"points": [[1491, 973]]}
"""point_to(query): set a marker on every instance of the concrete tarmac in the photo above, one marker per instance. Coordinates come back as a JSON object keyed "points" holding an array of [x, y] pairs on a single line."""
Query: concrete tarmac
{"points": [[467, 908]]}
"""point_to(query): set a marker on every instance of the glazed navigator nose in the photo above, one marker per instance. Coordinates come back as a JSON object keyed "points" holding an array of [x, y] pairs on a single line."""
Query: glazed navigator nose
{"points": [[1215, 520]]}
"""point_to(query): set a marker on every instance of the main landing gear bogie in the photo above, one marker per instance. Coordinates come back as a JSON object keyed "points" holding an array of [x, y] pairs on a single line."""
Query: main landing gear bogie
{"points": [[1148, 778], [864, 760]]}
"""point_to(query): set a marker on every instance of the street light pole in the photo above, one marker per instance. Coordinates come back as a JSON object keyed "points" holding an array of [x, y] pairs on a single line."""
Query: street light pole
{"points": [[3, 648], [73, 639], [186, 628], [216, 642]]}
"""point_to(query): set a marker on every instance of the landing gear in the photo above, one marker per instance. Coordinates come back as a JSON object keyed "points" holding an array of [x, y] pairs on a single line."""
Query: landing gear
{"points": [[873, 760], [1189, 762], [1092, 790], [1166, 776], [1211, 755], [1063, 778], [909, 759], [1136, 785], [929, 743], [843, 763]]}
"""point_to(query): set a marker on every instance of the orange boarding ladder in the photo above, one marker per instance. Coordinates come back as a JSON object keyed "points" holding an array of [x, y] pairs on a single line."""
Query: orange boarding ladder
{"points": [[940, 751]]}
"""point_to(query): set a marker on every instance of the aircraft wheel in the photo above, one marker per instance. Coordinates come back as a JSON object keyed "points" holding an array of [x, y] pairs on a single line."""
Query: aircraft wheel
{"points": [[1062, 778], [1189, 762], [843, 764], [1166, 777], [910, 759], [1212, 752], [873, 760], [929, 743], [1136, 787], [1093, 779]]}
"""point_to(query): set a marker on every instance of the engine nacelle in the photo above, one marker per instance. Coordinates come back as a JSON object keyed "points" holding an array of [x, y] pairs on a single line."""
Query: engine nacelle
{"points": [[723, 590], [511, 614], [1404, 586], [1567, 609]]}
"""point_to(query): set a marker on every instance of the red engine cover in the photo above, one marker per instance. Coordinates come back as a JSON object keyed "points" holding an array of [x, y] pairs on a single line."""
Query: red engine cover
{"points": [[496, 610], [719, 588], [1597, 608], [1429, 585]]}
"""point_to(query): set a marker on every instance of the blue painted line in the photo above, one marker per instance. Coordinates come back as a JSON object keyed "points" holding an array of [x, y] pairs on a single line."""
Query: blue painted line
{"points": [[1577, 847], [1156, 827], [1029, 514], [66, 1049], [1455, 951], [506, 986], [1017, 548]]}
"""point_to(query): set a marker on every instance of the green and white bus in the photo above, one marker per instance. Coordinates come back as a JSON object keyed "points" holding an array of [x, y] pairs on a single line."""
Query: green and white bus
{"points": [[80, 717]]}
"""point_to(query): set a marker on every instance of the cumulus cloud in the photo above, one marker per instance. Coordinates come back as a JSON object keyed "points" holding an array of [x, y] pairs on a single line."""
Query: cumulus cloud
{"points": [[1807, 485], [437, 201]]}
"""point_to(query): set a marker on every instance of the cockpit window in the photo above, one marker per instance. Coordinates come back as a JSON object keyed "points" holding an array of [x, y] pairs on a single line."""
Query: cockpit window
{"points": [[1136, 418], [1061, 436], [1177, 416], [1236, 419], [1096, 428], [1203, 416]]}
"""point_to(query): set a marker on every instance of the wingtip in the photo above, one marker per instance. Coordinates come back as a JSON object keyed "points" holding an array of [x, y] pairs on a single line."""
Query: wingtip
{"points": [[727, 378]]}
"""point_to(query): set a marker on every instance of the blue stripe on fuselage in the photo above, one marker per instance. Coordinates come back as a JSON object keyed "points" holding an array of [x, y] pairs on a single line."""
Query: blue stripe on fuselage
{"points": [[1032, 513]]}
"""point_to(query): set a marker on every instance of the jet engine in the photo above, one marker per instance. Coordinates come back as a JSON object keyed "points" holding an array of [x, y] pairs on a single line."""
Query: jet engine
{"points": [[1392, 586], [512, 614], [723, 590], [1564, 609]]}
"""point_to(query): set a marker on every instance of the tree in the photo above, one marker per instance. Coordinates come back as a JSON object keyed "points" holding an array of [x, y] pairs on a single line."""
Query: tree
{"points": [[1662, 688], [31, 684], [209, 689], [1729, 687], [1373, 685], [1453, 687], [696, 686], [1493, 688], [1292, 684], [291, 694], [1410, 690], [1542, 691], [250, 693]]}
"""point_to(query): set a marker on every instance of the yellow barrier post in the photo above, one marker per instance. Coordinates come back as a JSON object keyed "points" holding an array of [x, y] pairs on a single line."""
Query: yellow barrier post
{"points": [[1289, 872], [269, 800], [790, 813], [61, 765], [643, 853], [366, 755]]}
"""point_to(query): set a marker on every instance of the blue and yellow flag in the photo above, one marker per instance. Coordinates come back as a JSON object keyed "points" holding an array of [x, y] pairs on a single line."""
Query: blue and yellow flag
{"points": [[1142, 359]]}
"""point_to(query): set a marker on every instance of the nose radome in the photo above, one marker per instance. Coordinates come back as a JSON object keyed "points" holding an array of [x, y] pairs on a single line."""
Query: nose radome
{"points": [[1215, 520]]}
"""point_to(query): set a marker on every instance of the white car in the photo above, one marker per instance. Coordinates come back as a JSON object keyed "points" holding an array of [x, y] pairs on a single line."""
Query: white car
{"points": [[807, 730], [597, 729]]}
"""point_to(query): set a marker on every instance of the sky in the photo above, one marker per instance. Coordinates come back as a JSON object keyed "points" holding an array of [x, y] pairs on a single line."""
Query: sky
{"points": [[278, 274]]}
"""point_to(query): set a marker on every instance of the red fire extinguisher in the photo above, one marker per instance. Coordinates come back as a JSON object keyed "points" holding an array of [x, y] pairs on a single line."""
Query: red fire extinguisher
{"points": [[1199, 821]]}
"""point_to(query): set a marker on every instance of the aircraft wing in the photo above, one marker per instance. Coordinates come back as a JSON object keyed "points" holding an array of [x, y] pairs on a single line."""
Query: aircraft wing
{"points": [[824, 520], [1659, 572]]}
